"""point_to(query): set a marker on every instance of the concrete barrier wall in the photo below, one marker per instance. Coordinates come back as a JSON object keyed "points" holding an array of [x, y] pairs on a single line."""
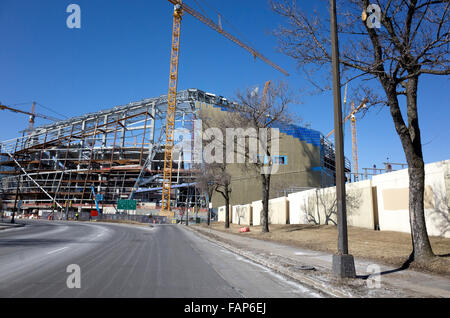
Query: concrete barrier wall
{"points": [[318, 206], [256, 212], [393, 199], [278, 211], [378, 203], [221, 214], [297, 206], [235, 212], [361, 208], [242, 214]]}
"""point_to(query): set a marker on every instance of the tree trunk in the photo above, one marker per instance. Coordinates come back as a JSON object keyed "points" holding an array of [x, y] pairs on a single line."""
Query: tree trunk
{"points": [[412, 147], [416, 170], [421, 244], [209, 193], [265, 179], [227, 208]]}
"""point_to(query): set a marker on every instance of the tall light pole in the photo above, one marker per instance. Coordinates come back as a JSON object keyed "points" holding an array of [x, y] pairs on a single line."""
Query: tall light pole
{"points": [[343, 263]]}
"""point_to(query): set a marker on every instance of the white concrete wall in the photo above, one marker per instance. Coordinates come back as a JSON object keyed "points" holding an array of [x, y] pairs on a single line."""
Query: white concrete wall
{"points": [[360, 204], [384, 199], [256, 212], [235, 213], [278, 211], [242, 214], [393, 206], [318, 206], [221, 214], [297, 203]]}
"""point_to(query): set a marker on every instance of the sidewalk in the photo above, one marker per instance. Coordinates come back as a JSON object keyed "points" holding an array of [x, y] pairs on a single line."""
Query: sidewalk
{"points": [[296, 263]]}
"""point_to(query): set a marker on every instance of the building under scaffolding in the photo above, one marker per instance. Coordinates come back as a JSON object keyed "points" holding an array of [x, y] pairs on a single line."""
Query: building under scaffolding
{"points": [[116, 153]]}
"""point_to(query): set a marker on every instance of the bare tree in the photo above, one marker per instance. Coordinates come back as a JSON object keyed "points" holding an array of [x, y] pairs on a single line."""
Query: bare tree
{"points": [[215, 176], [262, 111], [222, 185], [205, 184], [412, 39]]}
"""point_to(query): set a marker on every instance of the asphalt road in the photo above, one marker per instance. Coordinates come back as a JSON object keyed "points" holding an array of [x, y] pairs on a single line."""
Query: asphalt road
{"points": [[129, 261]]}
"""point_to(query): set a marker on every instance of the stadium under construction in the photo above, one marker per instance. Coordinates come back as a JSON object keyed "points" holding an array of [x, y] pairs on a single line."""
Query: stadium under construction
{"points": [[95, 160]]}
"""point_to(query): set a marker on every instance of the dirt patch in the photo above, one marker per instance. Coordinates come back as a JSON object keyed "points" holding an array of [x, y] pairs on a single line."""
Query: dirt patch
{"points": [[391, 248]]}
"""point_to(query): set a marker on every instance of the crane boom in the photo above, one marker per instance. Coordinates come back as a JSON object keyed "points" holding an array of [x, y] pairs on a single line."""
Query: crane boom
{"points": [[354, 139], [353, 112], [4, 107], [229, 36], [179, 9]]}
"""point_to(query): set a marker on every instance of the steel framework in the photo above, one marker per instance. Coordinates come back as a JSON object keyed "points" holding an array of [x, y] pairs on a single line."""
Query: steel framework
{"points": [[117, 151]]}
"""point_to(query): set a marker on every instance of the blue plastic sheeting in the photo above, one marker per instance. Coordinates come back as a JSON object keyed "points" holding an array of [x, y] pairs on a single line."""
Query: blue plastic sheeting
{"points": [[316, 168], [307, 135]]}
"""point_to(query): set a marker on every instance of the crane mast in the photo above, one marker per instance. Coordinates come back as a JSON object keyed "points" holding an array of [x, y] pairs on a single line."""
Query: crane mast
{"points": [[32, 114], [352, 118], [31, 120], [171, 108], [354, 144]]}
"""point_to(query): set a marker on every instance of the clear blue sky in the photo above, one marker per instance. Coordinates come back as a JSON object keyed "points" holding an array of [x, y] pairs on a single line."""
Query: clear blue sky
{"points": [[121, 54]]}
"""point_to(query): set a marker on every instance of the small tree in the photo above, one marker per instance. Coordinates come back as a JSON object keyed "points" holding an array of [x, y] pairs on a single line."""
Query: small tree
{"points": [[391, 44], [205, 184], [215, 176], [222, 183]]}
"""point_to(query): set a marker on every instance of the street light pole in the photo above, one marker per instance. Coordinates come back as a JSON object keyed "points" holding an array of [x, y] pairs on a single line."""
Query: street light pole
{"points": [[343, 263]]}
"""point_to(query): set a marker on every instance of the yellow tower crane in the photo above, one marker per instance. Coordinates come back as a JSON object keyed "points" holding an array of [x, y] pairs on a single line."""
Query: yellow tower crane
{"points": [[179, 9], [354, 142], [351, 116]]}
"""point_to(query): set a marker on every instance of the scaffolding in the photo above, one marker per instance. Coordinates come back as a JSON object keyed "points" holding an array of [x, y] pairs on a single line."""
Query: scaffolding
{"points": [[116, 151]]}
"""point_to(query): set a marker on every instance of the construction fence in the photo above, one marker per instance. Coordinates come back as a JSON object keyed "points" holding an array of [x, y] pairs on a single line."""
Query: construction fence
{"points": [[379, 204]]}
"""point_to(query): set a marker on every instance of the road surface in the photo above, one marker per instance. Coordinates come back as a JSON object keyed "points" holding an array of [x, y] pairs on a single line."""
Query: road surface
{"points": [[117, 260]]}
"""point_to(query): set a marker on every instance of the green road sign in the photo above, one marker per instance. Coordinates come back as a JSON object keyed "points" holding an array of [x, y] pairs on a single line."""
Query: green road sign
{"points": [[126, 204]]}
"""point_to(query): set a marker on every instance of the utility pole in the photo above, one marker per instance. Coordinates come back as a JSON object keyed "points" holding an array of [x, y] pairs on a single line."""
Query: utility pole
{"points": [[15, 200], [187, 207], [343, 263]]}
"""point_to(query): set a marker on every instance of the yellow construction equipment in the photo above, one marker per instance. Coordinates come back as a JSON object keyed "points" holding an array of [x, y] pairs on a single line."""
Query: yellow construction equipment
{"points": [[32, 114], [264, 96], [179, 9], [351, 116], [354, 143]]}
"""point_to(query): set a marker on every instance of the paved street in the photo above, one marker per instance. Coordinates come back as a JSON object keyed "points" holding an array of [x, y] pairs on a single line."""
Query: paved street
{"points": [[129, 261]]}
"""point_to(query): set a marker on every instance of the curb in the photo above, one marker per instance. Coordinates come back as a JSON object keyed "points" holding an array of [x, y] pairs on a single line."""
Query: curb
{"points": [[328, 290]]}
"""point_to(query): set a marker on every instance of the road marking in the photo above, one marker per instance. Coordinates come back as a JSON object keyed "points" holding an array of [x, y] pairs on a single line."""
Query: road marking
{"points": [[55, 251]]}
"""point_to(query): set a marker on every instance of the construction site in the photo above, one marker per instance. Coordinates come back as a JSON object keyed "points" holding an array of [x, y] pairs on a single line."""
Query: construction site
{"points": [[98, 159], [128, 160]]}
